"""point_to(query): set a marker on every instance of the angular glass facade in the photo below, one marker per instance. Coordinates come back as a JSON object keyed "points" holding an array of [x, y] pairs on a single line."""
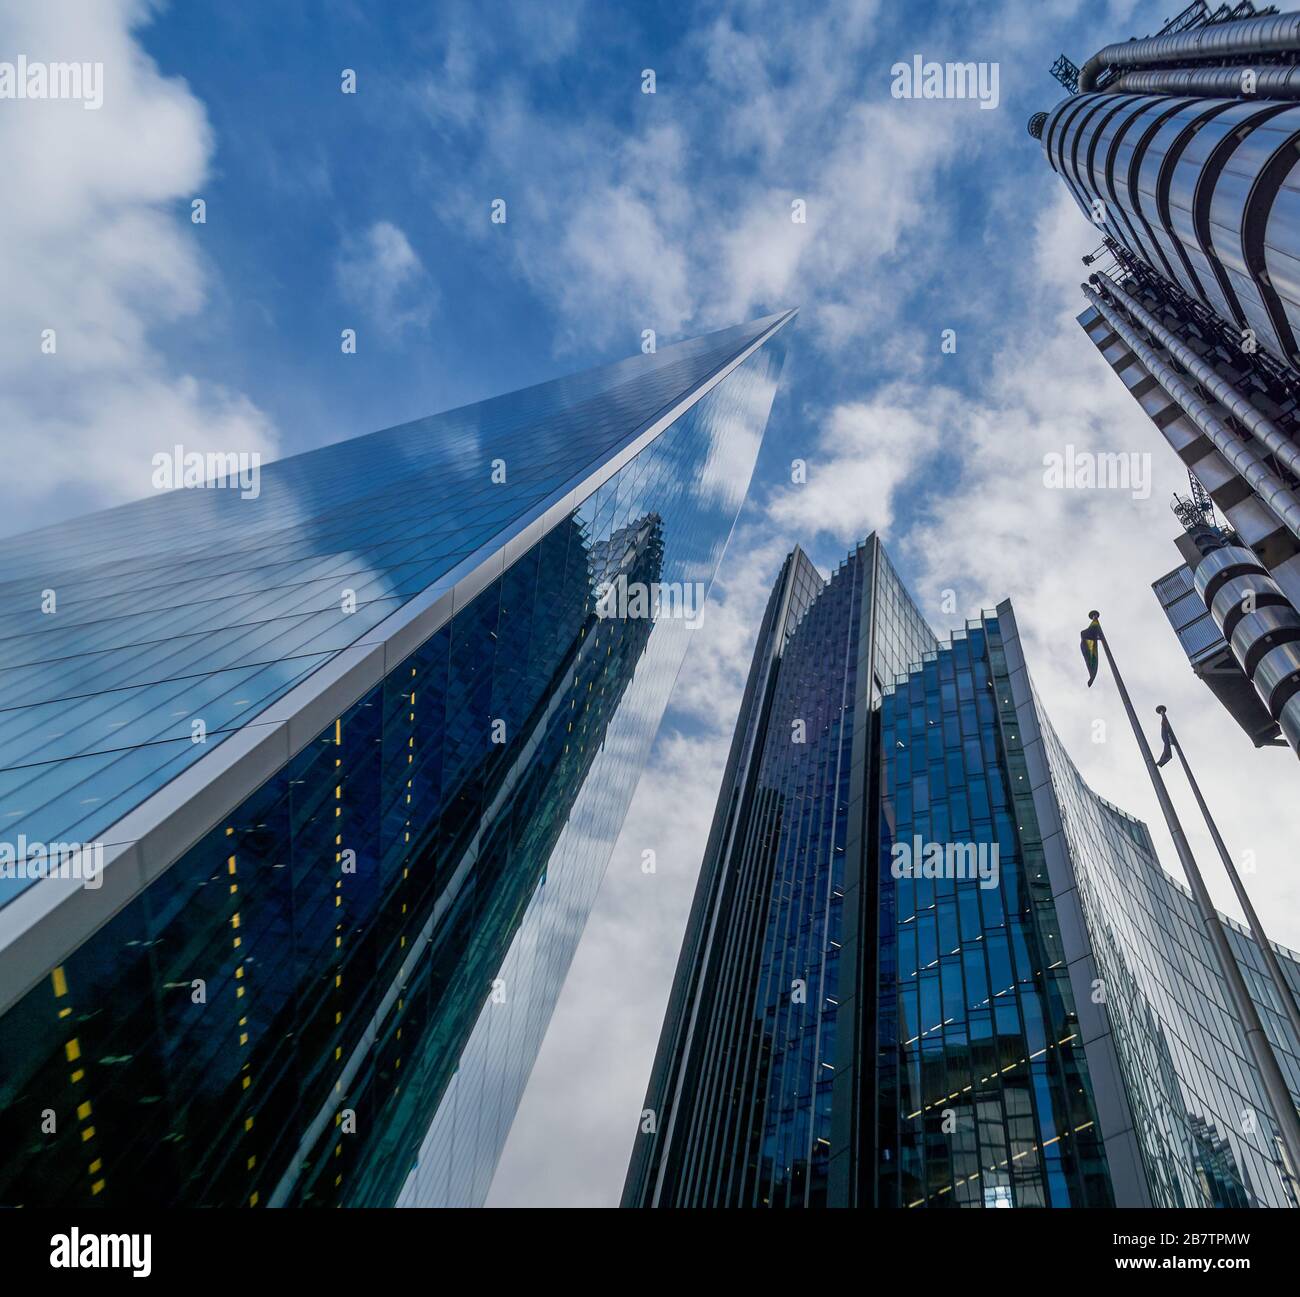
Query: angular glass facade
{"points": [[984, 1097], [204, 604], [1192, 1112], [926, 965], [758, 1047], [334, 992]]}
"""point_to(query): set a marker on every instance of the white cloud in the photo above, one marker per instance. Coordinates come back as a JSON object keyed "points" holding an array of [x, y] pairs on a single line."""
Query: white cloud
{"points": [[616, 247], [871, 188], [96, 248], [866, 453], [684, 222], [379, 273]]}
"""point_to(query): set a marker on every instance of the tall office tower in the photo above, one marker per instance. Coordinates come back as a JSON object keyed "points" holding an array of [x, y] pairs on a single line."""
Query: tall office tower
{"points": [[1181, 149], [926, 965], [354, 746]]}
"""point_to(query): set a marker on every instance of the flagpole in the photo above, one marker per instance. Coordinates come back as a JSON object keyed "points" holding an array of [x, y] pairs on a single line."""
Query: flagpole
{"points": [[1261, 1048], [1289, 1006]]}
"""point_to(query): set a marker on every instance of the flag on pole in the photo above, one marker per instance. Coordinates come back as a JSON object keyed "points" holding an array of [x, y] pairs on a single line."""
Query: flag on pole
{"points": [[1166, 737], [1088, 638]]}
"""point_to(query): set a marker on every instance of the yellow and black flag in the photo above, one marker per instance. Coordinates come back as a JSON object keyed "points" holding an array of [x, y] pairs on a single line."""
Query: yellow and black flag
{"points": [[1088, 639]]}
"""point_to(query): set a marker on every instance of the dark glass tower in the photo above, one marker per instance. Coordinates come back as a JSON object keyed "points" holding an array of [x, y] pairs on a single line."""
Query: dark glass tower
{"points": [[354, 751], [926, 965], [1182, 151]]}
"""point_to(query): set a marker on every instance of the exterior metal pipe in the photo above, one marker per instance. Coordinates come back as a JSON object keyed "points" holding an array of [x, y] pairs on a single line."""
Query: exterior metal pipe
{"points": [[1263, 429], [1274, 34], [1214, 83], [1242, 458], [1089, 73]]}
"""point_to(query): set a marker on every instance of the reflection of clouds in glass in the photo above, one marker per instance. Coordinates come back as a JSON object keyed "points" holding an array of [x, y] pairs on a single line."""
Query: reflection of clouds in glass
{"points": [[464, 1141], [497, 1061], [1185, 1071], [338, 539], [731, 459]]}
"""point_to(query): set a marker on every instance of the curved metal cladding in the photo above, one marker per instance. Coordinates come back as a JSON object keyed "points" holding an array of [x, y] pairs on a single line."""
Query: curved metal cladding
{"points": [[1213, 127], [1241, 213], [1090, 139], [1282, 244], [1059, 137], [1182, 1114], [1137, 153], [1261, 626], [1204, 192], [1154, 163]]}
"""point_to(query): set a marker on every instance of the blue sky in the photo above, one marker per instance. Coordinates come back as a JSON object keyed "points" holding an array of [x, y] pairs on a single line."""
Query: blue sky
{"points": [[625, 212], [543, 107]]}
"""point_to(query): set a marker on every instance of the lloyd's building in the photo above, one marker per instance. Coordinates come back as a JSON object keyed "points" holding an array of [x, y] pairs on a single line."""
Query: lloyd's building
{"points": [[1183, 149], [354, 754]]}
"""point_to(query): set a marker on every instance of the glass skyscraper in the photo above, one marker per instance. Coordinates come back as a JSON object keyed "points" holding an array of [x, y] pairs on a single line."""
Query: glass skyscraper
{"points": [[353, 748], [1181, 149], [926, 965]]}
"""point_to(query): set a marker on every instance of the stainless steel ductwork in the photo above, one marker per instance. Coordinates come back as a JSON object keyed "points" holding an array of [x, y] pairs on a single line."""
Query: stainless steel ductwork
{"points": [[1215, 83], [1242, 458], [1263, 429], [1261, 626], [1274, 34]]}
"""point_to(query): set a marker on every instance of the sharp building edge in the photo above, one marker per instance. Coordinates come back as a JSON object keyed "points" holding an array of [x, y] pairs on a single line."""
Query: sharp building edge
{"points": [[354, 751]]}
